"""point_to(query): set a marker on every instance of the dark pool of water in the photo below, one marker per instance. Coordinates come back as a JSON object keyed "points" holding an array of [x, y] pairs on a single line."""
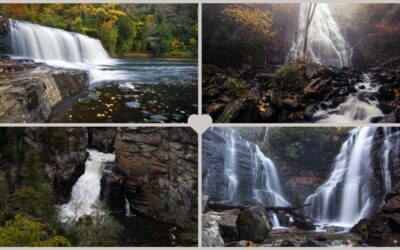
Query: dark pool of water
{"points": [[140, 91], [143, 231]]}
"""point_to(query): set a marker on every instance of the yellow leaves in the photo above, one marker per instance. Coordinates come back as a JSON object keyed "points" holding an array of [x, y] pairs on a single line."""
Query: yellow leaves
{"points": [[117, 12], [149, 19], [193, 41], [176, 44], [261, 106], [252, 17]]}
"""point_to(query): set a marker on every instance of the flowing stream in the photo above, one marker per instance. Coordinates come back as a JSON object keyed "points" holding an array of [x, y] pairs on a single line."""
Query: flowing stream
{"points": [[144, 90], [361, 106], [86, 191], [348, 195], [326, 44]]}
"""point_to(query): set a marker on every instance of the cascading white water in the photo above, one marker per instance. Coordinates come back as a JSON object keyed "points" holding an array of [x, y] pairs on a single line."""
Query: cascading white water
{"points": [[86, 190], [230, 164], [266, 182], [128, 212], [49, 44], [346, 197], [326, 44], [358, 107], [391, 147]]}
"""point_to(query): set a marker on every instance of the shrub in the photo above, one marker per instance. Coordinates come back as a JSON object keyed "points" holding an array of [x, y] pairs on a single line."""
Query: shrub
{"points": [[288, 77]]}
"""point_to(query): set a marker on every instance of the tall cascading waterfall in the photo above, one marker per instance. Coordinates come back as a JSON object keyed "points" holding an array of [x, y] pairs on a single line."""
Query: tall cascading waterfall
{"points": [[347, 196], [326, 44], [86, 191], [55, 46], [230, 164], [265, 182]]}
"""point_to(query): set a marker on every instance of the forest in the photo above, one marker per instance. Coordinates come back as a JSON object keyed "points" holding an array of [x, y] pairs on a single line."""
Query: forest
{"points": [[301, 186], [123, 29], [64, 187], [300, 62]]}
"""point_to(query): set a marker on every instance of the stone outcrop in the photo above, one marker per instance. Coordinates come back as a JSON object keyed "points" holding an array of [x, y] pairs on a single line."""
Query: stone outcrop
{"points": [[29, 91], [383, 227], [5, 36], [159, 172], [102, 139]]}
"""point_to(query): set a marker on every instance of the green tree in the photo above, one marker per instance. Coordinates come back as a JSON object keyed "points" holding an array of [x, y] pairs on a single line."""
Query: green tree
{"points": [[126, 34], [97, 229], [22, 231]]}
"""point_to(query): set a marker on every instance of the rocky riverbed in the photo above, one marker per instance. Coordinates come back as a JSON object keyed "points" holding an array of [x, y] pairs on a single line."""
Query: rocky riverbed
{"points": [[295, 92], [30, 91], [253, 227]]}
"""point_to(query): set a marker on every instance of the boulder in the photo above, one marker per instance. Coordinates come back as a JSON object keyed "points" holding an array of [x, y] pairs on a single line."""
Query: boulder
{"points": [[211, 236], [253, 224], [228, 224]]}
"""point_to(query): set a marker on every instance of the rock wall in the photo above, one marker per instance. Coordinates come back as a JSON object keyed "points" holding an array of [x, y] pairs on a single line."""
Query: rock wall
{"points": [[102, 139], [5, 36], [159, 170], [29, 91]]}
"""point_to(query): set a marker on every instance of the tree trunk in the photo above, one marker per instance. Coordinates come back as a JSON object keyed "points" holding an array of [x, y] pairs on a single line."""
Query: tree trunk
{"points": [[310, 15]]}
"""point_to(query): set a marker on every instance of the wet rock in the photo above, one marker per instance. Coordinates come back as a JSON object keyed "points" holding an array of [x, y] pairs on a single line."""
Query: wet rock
{"points": [[333, 229], [386, 93], [102, 139], [314, 243], [253, 224], [211, 236], [392, 205], [31, 91]]}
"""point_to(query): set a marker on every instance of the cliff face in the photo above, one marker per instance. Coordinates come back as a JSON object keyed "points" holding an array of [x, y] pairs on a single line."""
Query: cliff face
{"points": [[61, 150], [159, 171], [102, 139], [29, 91], [5, 36]]}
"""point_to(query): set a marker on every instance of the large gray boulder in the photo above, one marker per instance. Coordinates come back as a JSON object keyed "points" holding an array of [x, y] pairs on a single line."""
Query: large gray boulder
{"points": [[253, 224]]}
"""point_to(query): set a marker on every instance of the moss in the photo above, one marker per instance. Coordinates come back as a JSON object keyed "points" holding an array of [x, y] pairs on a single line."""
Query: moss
{"points": [[246, 218], [235, 86], [288, 77]]}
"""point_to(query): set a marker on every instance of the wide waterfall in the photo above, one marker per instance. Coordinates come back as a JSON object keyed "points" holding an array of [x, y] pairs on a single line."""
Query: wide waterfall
{"points": [[86, 191], [326, 44], [61, 47], [348, 195]]}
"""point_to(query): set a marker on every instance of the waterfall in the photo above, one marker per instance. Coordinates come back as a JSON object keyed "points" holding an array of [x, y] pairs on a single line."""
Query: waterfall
{"points": [[230, 164], [326, 44], [128, 212], [391, 147], [266, 182], [46, 44], [86, 190], [58, 48], [347, 196]]}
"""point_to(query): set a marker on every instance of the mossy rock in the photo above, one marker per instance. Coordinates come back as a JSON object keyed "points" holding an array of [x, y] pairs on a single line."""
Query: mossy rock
{"points": [[253, 224]]}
